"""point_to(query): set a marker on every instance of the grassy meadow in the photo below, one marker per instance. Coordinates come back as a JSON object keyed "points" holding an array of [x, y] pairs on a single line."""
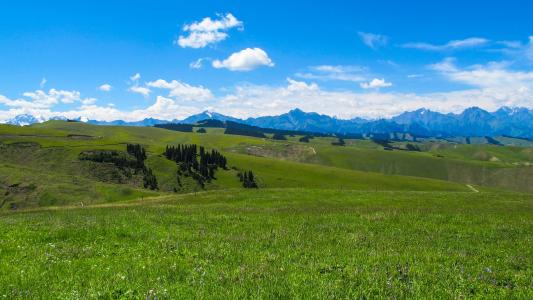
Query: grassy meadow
{"points": [[450, 221], [280, 243]]}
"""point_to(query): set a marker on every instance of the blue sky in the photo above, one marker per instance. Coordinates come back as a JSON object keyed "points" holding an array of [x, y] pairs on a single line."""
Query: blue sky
{"points": [[169, 59]]}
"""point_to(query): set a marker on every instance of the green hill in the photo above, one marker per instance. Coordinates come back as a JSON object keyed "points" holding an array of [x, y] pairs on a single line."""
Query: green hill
{"points": [[40, 166]]}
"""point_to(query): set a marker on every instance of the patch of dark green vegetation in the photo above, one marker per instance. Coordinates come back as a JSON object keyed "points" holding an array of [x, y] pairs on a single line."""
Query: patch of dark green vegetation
{"points": [[201, 130], [339, 142], [279, 137], [493, 141], [306, 138], [129, 163], [248, 179], [245, 130], [385, 143], [412, 147], [176, 127], [186, 157]]}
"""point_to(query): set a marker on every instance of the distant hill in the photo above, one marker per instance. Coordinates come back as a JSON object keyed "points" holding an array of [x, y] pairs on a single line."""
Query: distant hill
{"points": [[474, 121]]}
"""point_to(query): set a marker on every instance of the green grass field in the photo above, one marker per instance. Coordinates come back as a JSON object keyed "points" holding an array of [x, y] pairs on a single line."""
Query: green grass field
{"points": [[280, 243], [451, 221]]}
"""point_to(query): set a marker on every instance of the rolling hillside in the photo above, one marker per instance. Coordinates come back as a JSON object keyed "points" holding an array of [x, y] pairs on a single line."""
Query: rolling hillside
{"points": [[41, 166], [326, 221]]}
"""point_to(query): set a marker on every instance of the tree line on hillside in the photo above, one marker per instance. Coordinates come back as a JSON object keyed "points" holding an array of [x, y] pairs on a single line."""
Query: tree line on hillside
{"points": [[200, 164], [137, 151], [202, 170], [176, 127], [135, 162]]}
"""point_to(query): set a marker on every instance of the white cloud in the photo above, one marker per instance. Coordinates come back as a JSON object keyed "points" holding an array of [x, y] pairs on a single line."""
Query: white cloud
{"points": [[245, 100], [245, 60], [135, 77], [136, 88], [494, 76], [183, 91], [451, 45], [53, 96], [520, 52], [166, 109], [43, 83], [197, 64], [39, 100], [105, 87], [208, 31], [375, 83], [488, 86], [88, 101], [329, 72], [373, 40], [140, 90]]}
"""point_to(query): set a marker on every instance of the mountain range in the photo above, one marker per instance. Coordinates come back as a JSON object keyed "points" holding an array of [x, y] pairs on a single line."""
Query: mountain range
{"points": [[474, 121]]}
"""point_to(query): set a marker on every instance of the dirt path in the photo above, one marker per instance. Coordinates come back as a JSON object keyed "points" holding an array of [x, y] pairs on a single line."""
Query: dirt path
{"points": [[472, 188]]}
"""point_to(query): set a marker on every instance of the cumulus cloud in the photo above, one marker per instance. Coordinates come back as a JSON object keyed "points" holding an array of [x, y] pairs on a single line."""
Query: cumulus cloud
{"points": [[375, 83], [183, 91], [330, 72], [373, 40], [40, 102], [40, 99], [208, 31], [451, 45], [136, 88], [140, 90], [245, 60], [105, 87]]}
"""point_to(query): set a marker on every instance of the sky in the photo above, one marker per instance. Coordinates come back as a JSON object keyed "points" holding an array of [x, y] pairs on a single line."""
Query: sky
{"points": [[130, 60]]}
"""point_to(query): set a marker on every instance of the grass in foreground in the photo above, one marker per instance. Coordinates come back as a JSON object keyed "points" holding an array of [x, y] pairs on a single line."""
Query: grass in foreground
{"points": [[275, 244]]}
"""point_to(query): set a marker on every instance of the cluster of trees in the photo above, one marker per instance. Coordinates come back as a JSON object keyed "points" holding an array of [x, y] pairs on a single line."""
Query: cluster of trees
{"points": [[248, 179], [138, 152], [384, 143], [202, 170], [121, 160], [493, 141], [243, 129], [412, 147], [340, 142], [149, 179], [306, 138], [176, 127], [279, 137], [201, 130], [114, 157]]}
